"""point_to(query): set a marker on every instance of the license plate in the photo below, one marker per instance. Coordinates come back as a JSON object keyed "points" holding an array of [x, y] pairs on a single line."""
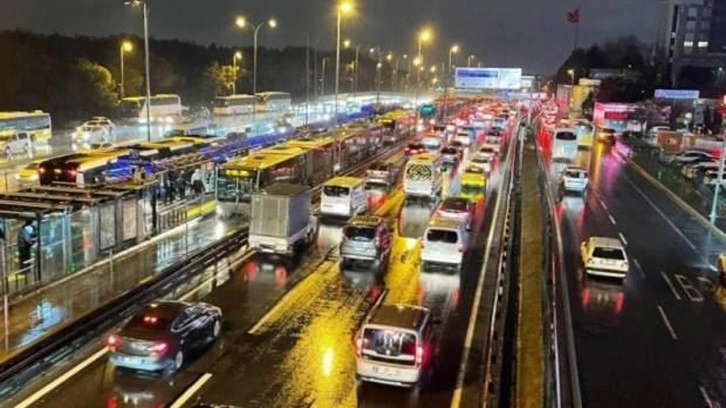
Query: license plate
{"points": [[388, 372]]}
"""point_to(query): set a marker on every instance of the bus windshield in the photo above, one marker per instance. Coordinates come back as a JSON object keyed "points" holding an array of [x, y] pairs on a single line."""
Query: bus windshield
{"points": [[231, 187]]}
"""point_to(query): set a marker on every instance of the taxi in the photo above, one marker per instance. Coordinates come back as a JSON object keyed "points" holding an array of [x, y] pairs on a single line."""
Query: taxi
{"points": [[473, 183], [28, 174]]}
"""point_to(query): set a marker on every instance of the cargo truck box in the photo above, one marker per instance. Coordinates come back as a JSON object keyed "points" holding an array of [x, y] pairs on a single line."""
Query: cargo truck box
{"points": [[281, 218]]}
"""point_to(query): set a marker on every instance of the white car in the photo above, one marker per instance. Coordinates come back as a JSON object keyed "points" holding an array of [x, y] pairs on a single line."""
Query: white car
{"points": [[102, 121], [444, 244], [489, 149], [457, 208], [689, 157], [690, 171], [710, 177], [604, 256], [574, 179], [483, 161]]}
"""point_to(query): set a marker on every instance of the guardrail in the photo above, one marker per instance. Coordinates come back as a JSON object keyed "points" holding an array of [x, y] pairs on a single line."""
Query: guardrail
{"points": [[16, 371], [36, 359], [562, 383]]}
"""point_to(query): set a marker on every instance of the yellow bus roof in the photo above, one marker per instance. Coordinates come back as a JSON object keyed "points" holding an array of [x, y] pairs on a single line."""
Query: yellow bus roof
{"points": [[284, 150], [310, 143], [344, 181], [258, 161]]}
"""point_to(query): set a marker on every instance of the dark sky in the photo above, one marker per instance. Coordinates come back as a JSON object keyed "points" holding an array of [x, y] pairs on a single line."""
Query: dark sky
{"points": [[532, 34]]}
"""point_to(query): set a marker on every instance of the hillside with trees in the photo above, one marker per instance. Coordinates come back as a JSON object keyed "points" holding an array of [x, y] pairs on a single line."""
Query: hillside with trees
{"points": [[74, 77]]}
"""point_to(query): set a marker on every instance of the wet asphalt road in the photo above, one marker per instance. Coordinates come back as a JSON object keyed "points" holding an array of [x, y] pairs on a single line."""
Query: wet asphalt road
{"points": [[288, 333], [656, 339]]}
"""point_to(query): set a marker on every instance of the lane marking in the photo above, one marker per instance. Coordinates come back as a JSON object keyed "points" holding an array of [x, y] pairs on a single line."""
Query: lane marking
{"points": [[604, 206], [658, 210], [191, 391], [667, 323], [28, 402], [639, 268], [706, 398], [622, 238], [456, 398], [670, 285], [612, 220]]}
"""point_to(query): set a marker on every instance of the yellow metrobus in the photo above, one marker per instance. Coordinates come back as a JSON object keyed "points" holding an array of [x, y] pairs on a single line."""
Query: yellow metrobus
{"points": [[36, 124]]}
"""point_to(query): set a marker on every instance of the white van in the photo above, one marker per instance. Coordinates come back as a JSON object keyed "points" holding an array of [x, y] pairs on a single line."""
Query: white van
{"points": [[344, 196], [444, 243], [395, 345]]}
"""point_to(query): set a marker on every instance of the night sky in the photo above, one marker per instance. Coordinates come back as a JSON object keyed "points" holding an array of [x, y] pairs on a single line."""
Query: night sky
{"points": [[532, 34]]}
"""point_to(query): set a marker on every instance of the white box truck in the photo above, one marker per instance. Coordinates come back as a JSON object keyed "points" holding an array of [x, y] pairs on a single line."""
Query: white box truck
{"points": [[281, 219]]}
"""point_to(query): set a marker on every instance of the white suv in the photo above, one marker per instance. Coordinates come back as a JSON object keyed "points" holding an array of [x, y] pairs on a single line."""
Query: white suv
{"points": [[574, 179], [444, 243], [604, 257]]}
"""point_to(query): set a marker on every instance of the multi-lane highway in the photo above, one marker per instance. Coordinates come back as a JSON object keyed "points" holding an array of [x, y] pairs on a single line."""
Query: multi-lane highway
{"points": [[656, 338], [288, 331]]}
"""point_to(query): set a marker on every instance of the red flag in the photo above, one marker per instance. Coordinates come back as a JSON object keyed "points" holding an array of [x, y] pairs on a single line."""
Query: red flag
{"points": [[573, 16]]}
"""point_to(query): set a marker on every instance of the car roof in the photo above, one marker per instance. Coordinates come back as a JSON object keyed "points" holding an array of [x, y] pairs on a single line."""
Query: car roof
{"points": [[606, 242], [166, 308], [445, 223], [407, 317], [365, 221]]}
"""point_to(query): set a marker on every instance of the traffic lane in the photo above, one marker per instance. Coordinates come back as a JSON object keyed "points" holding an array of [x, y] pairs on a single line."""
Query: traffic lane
{"points": [[620, 339], [249, 291], [687, 299]]}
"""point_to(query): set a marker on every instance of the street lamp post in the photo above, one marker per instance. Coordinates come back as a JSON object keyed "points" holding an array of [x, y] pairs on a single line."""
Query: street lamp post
{"points": [[469, 59], [346, 44], [242, 23], [571, 73], [126, 46], [343, 8], [453, 50], [379, 64], [237, 56], [145, 11], [423, 36]]}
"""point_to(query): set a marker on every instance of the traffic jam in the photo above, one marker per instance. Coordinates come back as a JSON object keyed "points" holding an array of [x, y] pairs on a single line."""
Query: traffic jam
{"points": [[363, 282]]}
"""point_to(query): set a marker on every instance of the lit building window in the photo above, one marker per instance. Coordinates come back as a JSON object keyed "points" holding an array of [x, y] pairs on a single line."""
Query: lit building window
{"points": [[702, 44], [688, 44]]}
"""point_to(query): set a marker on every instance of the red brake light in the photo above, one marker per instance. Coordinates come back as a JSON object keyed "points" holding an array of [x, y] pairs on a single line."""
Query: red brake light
{"points": [[41, 170], [461, 247], [72, 173], [420, 351], [113, 341], [158, 349]]}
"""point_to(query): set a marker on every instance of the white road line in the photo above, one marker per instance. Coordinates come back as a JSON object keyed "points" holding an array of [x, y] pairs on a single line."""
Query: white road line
{"points": [[670, 285], [639, 268], [604, 206], [612, 220], [658, 210], [622, 238], [706, 398], [28, 402], [667, 323], [189, 393], [456, 398]]}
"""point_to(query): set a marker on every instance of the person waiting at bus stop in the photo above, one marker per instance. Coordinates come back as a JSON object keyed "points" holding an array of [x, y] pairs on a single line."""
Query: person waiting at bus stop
{"points": [[27, 236]]}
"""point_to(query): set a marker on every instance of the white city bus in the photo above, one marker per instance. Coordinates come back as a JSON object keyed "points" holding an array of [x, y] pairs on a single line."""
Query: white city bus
{"points": [[273, 101], [35, 124], [564, 144], [165, 108], [234, 104]]}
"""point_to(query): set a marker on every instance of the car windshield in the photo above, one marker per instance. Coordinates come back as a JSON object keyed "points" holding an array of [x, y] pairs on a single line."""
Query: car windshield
{"points": [[455, 204], [575, 174], [481, 159], [442, 235], [358, 233], [608, 253], [389, 345], [376, 186], [335, 191]]}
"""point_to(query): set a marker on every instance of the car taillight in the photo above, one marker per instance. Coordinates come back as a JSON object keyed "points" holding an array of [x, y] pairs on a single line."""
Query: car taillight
{"points": [[359, 346], [41, 170], [461, 248], [159, 349], [113, 342], [420, 351], [377, 242]]}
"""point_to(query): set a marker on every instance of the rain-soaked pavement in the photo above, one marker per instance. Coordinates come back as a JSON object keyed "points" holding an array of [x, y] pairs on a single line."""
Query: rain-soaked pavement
{"points": [[657, 338], [287, 339]]}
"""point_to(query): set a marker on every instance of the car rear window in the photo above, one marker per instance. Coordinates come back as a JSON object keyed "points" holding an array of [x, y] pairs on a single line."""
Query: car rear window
{"points": [[389, 345], [441, 235], [448, 150], [358, 233], [455, 204], [575, 174], [416, 146], [608, 253], [335, 191], [148, 321]]}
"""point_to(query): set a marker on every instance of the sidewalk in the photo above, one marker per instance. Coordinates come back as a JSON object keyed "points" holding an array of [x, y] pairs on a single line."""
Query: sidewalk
{"points": [[55, 305]]}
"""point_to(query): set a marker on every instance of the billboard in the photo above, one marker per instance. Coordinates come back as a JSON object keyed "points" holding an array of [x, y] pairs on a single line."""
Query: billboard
{"points": [[677, 94], [527, 82], [488, 78], [590, 82]]}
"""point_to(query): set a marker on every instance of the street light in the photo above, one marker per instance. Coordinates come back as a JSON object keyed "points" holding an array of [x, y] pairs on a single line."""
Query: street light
{"points": [[453, 50], [571, 73], [469, 59], [126, 46], [343, 8], [242, 23], [424, 36], [145, 12], [348, 44], [237, 56]]}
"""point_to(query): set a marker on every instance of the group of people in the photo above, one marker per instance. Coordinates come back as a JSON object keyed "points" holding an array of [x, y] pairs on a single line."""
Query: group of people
{"points": [[180, 184]]}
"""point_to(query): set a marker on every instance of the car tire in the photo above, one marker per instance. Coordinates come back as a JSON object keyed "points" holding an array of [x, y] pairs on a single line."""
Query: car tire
{"points": [[178, 361]]}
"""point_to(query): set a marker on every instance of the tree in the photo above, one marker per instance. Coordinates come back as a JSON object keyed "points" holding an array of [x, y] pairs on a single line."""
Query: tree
{"points": [[220, 78], [95, 86]]}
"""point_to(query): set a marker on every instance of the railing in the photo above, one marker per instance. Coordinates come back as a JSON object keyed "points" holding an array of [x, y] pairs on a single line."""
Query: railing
{"points": [[562, 384]]}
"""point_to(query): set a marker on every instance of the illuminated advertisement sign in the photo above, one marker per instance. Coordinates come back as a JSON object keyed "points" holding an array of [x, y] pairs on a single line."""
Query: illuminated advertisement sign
{"points": [[677, 94], [488, 78]]}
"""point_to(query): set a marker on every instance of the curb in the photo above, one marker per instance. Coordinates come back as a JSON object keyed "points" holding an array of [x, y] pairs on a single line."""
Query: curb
{"points": [[678, 200]]}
